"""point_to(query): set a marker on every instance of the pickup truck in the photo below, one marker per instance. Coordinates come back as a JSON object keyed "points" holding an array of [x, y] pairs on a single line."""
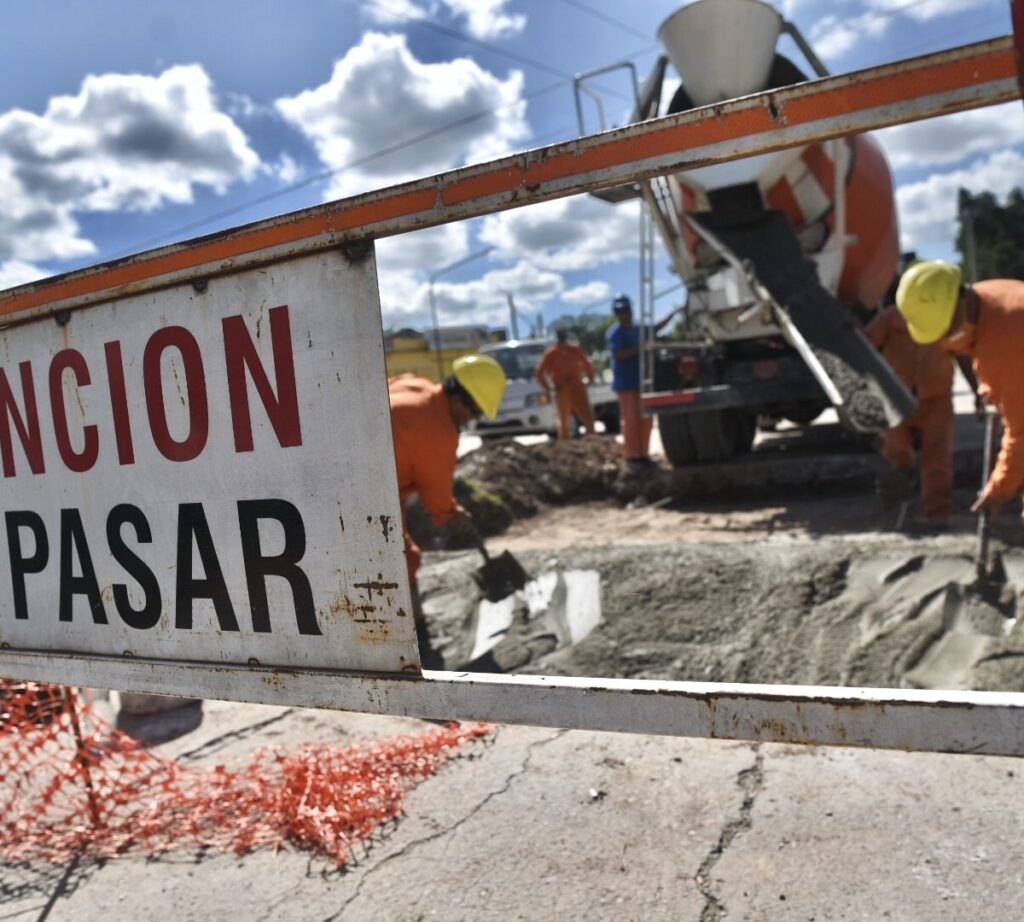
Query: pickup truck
{"points": [[529, 409]]}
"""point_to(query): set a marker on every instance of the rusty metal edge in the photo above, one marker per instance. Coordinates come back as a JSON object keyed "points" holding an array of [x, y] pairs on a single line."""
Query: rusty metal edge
{"points": [[427, 202], [981, 723]]}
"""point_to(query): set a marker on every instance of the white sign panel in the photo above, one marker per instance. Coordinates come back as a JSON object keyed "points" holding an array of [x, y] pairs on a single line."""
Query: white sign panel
{"points": [[206, 475]]}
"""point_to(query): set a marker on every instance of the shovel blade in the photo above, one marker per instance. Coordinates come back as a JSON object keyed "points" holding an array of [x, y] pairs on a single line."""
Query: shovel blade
{"points": [[500, 576]]}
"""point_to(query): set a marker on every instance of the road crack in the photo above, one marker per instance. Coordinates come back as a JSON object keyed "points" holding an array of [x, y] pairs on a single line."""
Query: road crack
{"points": [[751, 782], [448, 830]]}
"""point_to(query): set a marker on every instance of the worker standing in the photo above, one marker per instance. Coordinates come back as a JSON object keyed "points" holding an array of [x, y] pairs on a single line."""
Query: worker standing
{"points": [[565, 368], [623, 339], [985, 321], [927, 371], [425, 423]]}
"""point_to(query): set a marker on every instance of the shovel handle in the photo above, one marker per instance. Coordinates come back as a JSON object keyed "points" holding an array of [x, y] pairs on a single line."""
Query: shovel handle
{"points": [[479, 542]]}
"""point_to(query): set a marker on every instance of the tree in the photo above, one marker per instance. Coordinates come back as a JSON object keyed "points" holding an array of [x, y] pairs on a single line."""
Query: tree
{"points": [[998, 234], [587, 329]]}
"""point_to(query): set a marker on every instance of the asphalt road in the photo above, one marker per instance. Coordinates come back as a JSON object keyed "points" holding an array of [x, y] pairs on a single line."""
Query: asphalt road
{"points": [[567, 825]]}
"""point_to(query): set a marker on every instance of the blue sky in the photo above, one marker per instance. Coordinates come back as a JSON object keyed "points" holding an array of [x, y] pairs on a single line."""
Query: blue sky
{"points": [[126, 125]]}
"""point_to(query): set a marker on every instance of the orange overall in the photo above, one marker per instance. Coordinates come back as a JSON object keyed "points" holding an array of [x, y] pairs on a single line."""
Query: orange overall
{"points": [[928, 372], [426, 448], [565, 366], [996, 343]]}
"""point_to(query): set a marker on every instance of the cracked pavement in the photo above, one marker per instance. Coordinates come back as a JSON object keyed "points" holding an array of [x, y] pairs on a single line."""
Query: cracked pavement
{"points": [[542, 824]]}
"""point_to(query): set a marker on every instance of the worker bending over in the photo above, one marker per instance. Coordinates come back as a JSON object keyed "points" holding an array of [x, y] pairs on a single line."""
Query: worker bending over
{"points": [[986, 322], [623, 339], [425, 423], [566, 369], [927, 371]]}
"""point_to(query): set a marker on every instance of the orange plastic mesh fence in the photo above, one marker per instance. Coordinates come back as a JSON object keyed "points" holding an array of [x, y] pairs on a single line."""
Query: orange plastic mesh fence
{"points": [[72, 785]]}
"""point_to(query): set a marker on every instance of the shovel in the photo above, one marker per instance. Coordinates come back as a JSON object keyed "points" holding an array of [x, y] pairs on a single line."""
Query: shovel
{"points": [[500, 576]]}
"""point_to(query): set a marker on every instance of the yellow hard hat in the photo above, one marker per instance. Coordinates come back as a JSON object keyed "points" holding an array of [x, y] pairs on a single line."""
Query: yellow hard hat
{"points": [[927, 297], [483, 379]]}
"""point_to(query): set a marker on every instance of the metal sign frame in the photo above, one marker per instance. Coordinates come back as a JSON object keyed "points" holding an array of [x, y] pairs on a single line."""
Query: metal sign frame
{"points": [[969, 722]]}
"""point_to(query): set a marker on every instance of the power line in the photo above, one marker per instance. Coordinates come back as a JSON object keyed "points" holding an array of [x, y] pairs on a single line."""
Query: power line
{"points": [[361, 161], [604, 17], [327, 174]]}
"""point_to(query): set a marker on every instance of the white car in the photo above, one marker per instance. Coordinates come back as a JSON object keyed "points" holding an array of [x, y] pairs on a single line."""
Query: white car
{"points": [[527, 408]]}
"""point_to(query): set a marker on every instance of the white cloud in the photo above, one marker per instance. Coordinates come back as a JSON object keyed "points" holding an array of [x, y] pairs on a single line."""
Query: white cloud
{"points": [[15, 272], [484, 18], [953, 138], [832, 36], [567, 234], [404, 262], [487, 18], [925, 10], [284, 169], [836, 33], [380, 95], [126, 142], [927, 209], [424, 250], [485, 300], [589, 293]]}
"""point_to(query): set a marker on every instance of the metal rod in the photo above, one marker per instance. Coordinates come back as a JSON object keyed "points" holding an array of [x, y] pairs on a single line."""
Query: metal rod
{"points": [[985, 517], [989, 723], [80, 757]]}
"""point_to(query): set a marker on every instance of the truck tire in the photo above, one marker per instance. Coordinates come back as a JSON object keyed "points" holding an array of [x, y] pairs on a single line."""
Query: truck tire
{"points": [[707, 437], [674, 429]]}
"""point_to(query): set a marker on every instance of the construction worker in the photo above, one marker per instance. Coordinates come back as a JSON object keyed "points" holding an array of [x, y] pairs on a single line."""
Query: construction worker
{"points": [[623, 339], [425, 423], [986, 322], [927, 371], [565, 368]]}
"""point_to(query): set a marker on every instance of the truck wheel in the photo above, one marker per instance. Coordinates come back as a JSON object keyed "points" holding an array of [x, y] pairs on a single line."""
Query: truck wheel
{"points": [[674, 429], [708, 437]]}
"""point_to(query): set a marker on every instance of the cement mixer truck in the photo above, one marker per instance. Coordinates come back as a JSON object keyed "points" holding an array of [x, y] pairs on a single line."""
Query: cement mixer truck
{"points": [[779, 253]]}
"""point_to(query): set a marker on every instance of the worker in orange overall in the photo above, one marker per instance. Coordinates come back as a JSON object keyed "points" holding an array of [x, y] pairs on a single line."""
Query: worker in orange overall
{"points": [[927, 371], [425, 423], [985, 321], [565, 368]]}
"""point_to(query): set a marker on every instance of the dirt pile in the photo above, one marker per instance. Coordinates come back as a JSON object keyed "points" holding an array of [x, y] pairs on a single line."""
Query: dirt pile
{"points": [[833, 611], [503, 481]]}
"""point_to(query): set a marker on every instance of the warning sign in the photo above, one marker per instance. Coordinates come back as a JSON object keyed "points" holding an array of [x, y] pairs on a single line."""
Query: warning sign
{"points": [[206, 474]]}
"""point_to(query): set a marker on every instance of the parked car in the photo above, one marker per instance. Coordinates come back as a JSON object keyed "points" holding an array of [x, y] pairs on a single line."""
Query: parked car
{"points": [[529, 409]]}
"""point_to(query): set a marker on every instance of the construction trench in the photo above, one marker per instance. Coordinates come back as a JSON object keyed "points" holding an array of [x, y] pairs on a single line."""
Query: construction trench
{"points": [[779, 569]]}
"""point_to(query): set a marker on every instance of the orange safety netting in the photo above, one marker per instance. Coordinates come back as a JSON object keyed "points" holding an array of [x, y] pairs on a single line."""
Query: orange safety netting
{"points": [[71, 785]]}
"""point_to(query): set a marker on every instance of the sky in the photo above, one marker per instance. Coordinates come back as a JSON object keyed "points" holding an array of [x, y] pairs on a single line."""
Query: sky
{"points": [[125, 126]]}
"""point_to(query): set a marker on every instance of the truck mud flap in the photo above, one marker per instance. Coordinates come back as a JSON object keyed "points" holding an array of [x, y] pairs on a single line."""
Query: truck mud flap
{"points": [[873, 397]]}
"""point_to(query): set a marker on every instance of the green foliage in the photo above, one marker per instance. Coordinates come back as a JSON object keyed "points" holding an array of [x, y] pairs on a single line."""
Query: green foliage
{"points": [[587, 329], [998, 234]]}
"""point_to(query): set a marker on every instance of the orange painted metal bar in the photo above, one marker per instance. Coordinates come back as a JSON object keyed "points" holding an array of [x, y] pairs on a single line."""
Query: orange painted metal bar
{"points": [[950, 81]]}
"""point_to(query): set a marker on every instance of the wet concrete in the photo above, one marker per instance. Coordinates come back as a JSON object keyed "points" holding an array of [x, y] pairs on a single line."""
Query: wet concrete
{"points": [[852, 611]]}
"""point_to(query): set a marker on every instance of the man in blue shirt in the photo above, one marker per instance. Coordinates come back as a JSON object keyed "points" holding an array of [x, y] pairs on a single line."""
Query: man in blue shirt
{"points": [[623, 340]]}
